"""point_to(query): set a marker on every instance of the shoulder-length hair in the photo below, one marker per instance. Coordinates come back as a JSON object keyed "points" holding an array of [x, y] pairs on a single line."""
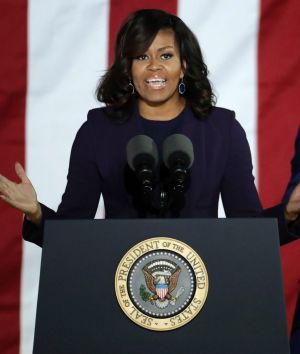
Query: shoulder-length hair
{"points": [[133, 39]]}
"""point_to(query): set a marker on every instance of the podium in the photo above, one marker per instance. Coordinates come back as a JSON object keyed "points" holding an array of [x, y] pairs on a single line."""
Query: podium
{"points": [[78, 311]]}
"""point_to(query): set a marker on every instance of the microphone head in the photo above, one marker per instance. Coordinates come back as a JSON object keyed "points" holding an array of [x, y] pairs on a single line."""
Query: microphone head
{"points": [[178, 146], [141, 149]]}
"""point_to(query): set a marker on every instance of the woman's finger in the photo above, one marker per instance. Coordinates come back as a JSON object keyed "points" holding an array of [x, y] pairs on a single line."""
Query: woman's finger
{"points": [[292, 208], [9, 201], [295, 196], [6, 199], [8, 188], [1, 184], [4, 183], [21, 172]]}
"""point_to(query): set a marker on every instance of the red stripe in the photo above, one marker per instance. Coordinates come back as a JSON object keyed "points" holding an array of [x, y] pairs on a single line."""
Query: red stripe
{"points": [[279, 117], [13, 39], [119, 10], [278, 94]]}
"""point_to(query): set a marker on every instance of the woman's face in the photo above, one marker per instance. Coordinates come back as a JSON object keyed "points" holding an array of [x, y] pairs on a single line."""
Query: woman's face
{"points": [[156, 73]]}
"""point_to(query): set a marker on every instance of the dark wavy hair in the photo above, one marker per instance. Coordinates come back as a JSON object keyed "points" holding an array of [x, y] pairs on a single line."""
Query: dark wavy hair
{"points": [[134, 38]]}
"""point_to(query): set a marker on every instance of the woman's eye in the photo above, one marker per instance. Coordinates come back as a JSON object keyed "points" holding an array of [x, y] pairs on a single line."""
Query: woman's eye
{"points": [[141, 57], [166, 56]]}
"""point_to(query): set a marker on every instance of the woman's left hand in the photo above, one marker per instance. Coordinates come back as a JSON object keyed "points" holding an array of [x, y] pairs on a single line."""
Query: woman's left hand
{"points": [[292, 208]]}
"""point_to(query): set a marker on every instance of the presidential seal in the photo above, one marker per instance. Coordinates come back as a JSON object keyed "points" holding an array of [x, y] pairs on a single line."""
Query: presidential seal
{"points": [[161, 284]]}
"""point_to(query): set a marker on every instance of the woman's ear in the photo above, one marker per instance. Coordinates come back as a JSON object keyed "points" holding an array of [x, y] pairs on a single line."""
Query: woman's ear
{"points": [[183, 68]]}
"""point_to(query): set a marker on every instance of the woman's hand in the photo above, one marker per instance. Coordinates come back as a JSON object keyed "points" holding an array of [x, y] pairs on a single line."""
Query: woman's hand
{"points": [[292, 209], [21, 196]]}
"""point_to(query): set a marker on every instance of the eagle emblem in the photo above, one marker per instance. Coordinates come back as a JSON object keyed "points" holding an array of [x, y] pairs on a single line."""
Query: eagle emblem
{"points": [[156, 284], [161, 277]]}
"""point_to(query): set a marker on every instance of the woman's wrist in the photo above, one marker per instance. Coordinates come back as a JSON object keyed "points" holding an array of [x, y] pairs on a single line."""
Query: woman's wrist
{"points": [[36, 215]]}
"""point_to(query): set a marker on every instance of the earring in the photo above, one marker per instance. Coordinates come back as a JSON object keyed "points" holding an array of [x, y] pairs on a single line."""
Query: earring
{"points": [[131, 87], [181, 87]]}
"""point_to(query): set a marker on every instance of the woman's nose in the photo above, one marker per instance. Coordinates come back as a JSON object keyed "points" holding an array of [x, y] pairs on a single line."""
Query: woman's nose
{"points": [[154, 64]]}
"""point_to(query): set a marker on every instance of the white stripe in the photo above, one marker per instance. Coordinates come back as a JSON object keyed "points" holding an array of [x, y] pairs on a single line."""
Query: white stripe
{"points": [[227, 32], [67, 54]]}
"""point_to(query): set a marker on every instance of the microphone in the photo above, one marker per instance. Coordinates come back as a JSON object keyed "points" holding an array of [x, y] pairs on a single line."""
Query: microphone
{"points": [[178, 156], [142, 157]]}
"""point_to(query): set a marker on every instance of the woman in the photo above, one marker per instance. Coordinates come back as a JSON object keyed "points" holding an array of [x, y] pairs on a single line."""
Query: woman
{"points": [[156, 86]]}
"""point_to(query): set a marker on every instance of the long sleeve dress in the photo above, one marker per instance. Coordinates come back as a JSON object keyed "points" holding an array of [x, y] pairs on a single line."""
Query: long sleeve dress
{"points": [[222, 166]]}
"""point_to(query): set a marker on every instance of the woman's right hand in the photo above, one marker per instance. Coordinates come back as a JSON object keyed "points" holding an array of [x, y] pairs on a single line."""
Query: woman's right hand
{"points": [[21, 196]]}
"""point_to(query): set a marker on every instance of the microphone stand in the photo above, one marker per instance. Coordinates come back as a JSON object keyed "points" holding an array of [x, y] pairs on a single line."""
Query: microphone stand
{"points": [[164, 203], [174, 187]]}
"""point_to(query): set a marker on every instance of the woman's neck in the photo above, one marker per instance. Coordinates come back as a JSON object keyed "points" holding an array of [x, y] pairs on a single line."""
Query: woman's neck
{"points": [[165, 111]]}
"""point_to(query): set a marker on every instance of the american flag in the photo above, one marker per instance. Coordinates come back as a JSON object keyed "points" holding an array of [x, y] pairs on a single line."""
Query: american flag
{"points": [[54, 52]]}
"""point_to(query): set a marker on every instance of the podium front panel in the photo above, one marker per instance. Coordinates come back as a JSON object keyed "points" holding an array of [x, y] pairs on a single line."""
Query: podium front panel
{"points": [[78, 311]]}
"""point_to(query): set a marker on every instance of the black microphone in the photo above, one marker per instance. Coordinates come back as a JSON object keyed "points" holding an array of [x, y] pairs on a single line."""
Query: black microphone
{"points": [[178, 156], [142, 157]]}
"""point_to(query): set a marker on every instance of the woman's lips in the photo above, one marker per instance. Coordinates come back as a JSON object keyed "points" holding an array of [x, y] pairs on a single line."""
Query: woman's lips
{"points": [[156, 83]]}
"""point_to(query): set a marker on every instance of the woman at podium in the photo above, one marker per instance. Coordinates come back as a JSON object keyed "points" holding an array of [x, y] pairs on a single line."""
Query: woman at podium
{"points": [[160, 147]]}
